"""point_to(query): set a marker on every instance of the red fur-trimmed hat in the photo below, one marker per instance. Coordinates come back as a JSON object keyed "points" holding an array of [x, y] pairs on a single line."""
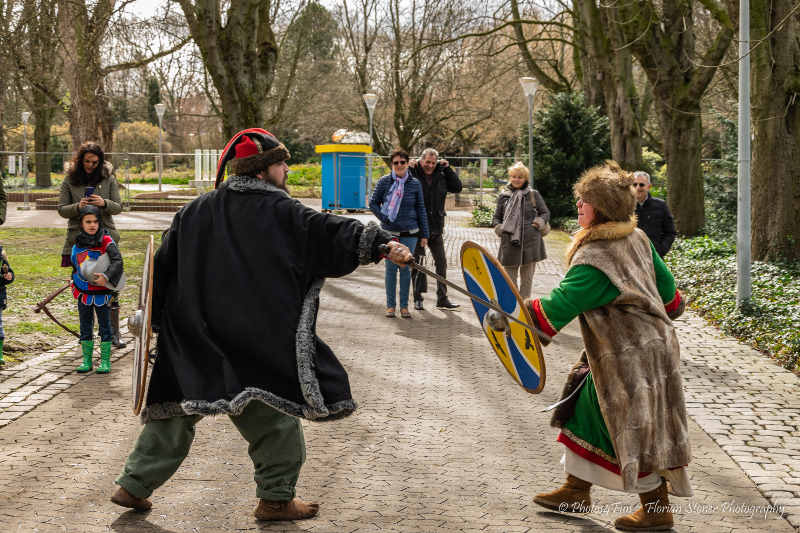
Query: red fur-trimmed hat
{"points": [[249, 152]]}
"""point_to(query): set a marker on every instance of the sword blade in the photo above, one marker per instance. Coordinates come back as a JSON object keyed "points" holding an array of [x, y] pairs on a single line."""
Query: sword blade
{"points": [[491, 305]]}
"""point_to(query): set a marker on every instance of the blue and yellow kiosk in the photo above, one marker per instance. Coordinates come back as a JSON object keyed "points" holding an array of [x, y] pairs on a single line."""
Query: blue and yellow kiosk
{"points": [[344, 175]]}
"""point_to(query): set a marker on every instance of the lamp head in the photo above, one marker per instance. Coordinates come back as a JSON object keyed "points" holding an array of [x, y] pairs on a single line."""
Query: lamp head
{"points": [[160, 108], [370, 100], [528, 85], [25, 116]]}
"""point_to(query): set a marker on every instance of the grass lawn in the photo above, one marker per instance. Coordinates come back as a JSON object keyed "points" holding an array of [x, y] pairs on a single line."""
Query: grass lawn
{"points": [[35, 256]]}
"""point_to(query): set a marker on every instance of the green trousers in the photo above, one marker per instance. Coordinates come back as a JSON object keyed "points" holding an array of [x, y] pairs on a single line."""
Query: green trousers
{"points": [[277, 449]]}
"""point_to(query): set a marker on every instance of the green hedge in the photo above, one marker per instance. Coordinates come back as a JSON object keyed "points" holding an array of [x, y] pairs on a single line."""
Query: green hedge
{"points": [[482, 216], [305, 175], [705, 270]]}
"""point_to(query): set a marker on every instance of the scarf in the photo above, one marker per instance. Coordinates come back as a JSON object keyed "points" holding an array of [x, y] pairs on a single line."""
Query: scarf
{"points": [[391, 207], [513, 216]]}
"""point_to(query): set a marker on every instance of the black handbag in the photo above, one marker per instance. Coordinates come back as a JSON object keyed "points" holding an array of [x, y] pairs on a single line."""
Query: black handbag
{"points": [[419, 280]]}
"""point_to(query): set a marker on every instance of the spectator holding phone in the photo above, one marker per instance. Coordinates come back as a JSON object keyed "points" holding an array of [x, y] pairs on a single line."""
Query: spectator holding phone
{"points": [[90, 181]]}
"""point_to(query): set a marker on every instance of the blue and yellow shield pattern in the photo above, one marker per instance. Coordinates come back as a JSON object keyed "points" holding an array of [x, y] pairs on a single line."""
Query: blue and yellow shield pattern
{"points": [[518, 347]]}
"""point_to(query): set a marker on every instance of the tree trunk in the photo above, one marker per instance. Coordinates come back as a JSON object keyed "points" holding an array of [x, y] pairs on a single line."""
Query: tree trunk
{"points": [[42, 119], [610, 64], [90, 117], [240, 56], [620, 97], [775, 207], [2, 121], [682, 136], [679, 75]]}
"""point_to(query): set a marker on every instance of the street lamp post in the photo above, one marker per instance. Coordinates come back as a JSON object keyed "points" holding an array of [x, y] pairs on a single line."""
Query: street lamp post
{"points": [[25, 116], [529, 88], [160, 108], [370, 100]]}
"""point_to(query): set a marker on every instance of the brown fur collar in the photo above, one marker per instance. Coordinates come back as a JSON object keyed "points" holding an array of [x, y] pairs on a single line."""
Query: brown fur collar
{"points": [[608, 231]]}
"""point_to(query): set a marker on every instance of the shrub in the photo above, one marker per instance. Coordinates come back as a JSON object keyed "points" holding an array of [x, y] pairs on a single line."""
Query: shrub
{"points": [[705, 270], [651, 163], [482, 216], [305, 175], [138, 137], [720, 189], [568, 138], [565, 224]]}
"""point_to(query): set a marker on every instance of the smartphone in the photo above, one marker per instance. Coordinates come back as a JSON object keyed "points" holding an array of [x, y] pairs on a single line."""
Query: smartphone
{"points": [[89, 192]]}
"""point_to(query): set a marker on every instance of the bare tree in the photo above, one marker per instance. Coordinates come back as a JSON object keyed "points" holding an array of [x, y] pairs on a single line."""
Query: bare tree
{"points": [[37, 74], [663, 38], [421, 79], [608, 75], [240, 52], [7, 8], [85, 27], [361, 22], [775, 27]]}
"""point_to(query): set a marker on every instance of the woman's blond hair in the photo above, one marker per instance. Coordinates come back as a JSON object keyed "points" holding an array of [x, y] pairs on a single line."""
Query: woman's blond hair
{"points": [[520, 170]]}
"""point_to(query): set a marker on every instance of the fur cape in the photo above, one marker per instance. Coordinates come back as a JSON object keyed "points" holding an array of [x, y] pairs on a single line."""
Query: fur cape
{"points": [[633, 353], [236, 292]]}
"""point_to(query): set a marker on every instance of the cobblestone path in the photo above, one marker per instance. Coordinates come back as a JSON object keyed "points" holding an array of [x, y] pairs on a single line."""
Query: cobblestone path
{"points": [[443, 440]]}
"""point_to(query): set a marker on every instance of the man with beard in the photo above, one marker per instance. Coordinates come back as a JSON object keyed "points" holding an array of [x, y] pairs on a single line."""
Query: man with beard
{"points": [[236, 292]]}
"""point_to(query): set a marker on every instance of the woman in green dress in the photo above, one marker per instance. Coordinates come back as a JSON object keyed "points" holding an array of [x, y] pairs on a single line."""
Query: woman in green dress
{"points": [[623, 417]]}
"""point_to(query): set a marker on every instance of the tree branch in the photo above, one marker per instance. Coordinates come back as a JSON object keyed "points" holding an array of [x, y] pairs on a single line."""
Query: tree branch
{"points": [[142, 62]]}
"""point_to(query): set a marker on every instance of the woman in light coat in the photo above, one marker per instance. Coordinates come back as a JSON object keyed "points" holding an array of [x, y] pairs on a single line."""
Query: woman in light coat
{"points": [[519, 219]]}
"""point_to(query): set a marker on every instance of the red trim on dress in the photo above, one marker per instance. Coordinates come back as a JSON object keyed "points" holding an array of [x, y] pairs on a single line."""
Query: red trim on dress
{"points": [[541, 318], [589, 456], [675, 303], [596, 459]]}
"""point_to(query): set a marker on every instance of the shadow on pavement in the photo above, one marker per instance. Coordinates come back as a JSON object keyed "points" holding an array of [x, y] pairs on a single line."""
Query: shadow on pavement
{"points": [[578, 522], [133, 521]]}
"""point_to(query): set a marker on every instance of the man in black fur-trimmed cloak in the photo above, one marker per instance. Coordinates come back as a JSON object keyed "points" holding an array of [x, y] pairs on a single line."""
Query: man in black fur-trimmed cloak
{"points": [[236, 291]]}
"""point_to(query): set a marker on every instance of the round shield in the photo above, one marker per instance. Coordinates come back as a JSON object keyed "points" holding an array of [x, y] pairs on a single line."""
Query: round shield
{"points": [[516, 346], [139, 324]]}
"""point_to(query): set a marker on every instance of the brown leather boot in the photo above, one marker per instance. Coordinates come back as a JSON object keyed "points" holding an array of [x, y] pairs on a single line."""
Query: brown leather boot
{"points": [[126, 499], [295, 509], [572, 497], [654, 515]]}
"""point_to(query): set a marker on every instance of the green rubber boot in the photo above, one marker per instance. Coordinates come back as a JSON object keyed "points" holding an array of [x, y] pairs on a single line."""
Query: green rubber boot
{"points": [[88, 348], [2, 362], [105, 358]]}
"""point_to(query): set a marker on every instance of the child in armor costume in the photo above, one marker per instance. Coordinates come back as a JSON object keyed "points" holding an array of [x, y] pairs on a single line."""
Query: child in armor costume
{"points": [[6, 277], [623, 417], [97, 272]]}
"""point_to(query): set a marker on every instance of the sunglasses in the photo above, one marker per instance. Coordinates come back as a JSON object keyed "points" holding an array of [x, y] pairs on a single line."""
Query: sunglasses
{"points": [[399, 163], [640, 185]]}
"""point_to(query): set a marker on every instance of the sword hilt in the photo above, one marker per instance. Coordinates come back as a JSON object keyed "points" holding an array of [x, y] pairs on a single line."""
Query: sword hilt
{"points": [[385, 249]]}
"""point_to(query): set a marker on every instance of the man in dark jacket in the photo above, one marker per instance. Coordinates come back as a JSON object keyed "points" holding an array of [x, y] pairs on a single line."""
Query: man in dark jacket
{"points": [[437, 180], [235, 297], [653, 214]]}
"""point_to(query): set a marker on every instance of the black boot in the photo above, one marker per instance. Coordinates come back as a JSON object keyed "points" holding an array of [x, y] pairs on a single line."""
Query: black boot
{"points": [[445, 303], [116, 339]]}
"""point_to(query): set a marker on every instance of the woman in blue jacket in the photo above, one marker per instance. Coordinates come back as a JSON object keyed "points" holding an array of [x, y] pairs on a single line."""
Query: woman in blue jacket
{"points": [[398, 203]]}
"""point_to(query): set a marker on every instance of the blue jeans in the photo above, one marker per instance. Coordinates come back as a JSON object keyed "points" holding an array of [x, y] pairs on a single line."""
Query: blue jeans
{"points": [[2, 332], [86, 314], [405, 277]]}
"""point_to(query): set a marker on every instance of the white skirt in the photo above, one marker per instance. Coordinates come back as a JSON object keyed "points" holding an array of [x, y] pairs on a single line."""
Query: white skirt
{"points": [[678, 479]]}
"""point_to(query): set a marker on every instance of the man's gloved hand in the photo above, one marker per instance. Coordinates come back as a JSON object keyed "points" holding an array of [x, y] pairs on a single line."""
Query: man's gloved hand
{"points": [[399, 253]]}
